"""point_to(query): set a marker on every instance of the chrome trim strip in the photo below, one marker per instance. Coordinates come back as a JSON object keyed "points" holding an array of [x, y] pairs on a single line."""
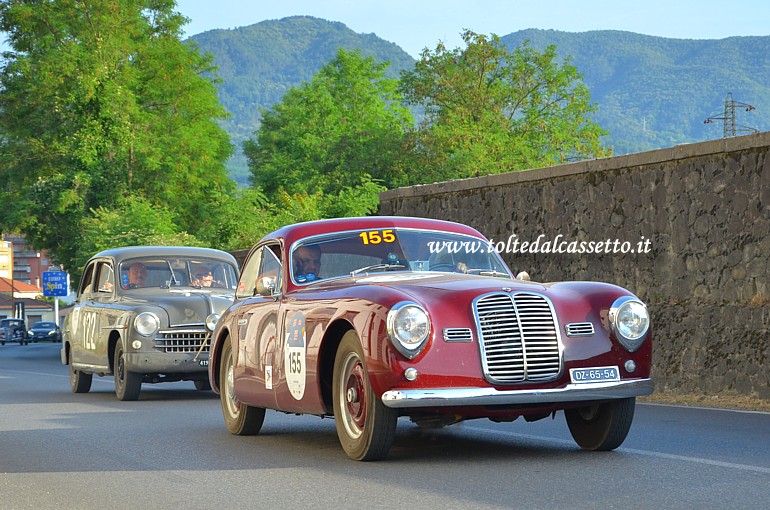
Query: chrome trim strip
{"points": [[458, 335], [579, 329], [461, 397]]}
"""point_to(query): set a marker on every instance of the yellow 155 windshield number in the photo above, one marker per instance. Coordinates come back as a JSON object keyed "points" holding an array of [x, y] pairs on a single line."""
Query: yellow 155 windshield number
{"points": [[377, 236]]}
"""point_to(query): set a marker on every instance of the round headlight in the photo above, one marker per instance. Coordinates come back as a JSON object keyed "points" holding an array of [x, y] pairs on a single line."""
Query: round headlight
{"points": [[146, 323], [630, 321], [408, 327], [212, 319]]}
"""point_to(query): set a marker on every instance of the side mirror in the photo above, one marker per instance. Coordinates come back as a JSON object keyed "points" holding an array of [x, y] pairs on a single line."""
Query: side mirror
{"points": [[266, 285], [523, 276]]}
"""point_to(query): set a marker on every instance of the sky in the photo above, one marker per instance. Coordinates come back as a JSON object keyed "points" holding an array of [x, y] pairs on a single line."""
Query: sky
{"points": [[417, 24]]}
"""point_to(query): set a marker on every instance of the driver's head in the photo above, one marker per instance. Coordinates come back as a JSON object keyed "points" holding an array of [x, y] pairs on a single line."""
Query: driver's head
{"points": [[307, 260], [137, 274]]}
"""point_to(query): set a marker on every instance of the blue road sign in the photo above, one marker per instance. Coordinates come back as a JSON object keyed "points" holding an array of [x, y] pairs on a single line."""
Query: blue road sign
{"points": [[56, 283]]}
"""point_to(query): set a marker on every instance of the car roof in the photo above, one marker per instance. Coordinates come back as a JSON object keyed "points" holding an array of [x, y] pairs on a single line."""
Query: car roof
{"points": [[297, 231], [130, 252]]}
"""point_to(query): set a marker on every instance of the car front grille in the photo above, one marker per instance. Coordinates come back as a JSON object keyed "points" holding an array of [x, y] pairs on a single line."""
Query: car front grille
{"points": [[182, 341], [519, 338]]}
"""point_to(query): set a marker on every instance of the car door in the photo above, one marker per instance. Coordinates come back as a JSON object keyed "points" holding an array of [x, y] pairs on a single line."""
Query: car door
{"points": [[83, 326], [258, 327]]}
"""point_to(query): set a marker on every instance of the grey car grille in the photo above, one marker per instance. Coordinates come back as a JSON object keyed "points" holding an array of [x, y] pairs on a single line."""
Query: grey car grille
{"points": [[181, 341], [519, 338]]}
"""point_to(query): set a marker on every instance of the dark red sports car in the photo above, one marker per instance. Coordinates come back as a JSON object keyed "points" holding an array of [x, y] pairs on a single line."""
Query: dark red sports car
{"points": [[371, 319]]}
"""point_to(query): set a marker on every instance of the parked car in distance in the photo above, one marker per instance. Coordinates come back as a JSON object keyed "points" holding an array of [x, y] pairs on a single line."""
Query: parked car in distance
{"points": [[372, 319], [13, 330], [44, 331], [144, 314]]}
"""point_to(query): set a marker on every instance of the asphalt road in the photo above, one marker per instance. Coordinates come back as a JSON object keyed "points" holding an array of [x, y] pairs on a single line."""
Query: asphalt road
{"points": [[171, 450]]}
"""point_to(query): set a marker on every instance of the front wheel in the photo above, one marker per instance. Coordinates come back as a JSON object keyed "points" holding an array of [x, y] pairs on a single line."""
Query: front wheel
{"points": [[202, 385], [601, 427], [241, 419], [127, 384], [80, 382], [365, 426]]}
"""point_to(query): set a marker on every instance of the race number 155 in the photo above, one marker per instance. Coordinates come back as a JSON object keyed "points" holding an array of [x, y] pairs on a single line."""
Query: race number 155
{"points": [[377, 236]]}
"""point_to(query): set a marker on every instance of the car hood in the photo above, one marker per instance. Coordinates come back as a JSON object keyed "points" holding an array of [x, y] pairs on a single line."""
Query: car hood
{"points": [[447, 282], [452, 292], [183, 305]]}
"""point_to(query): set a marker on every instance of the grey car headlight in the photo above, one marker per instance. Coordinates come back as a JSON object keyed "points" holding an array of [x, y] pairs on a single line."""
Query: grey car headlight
{"points": [[212, 319], [630, 322], [408, 328], [146, 323]]}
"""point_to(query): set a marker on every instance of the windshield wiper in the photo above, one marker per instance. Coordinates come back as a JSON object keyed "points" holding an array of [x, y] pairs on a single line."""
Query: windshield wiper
{"points": [[488, 272], [377, 267]]}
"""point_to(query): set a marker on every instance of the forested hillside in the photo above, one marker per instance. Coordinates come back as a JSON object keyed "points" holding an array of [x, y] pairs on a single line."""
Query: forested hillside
{"points": [[259, 63], [652, 92], [656, 92]]}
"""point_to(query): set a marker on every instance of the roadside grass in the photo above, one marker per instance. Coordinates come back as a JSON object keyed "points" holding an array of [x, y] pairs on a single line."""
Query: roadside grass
{"points": [[748, 403]]}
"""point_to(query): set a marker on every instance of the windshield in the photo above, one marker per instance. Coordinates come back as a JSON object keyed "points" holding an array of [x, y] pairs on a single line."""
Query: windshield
{"points": [[43, 325], [177, 271], [392, 249]]}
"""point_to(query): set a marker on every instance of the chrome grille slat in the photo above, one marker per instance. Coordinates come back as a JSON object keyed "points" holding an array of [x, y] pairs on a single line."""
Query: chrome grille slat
{"points": [[518, 337], [181, 341]]}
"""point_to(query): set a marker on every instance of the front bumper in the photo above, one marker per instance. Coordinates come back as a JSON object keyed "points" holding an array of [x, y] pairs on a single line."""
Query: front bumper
{"points": [[463, 397], [166, 363]]}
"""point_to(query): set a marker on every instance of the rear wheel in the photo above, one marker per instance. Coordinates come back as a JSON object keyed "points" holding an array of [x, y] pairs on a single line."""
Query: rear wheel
{"points": [[241, 419], [127, 384], [80, 382], [365, 427], [601, 427]]}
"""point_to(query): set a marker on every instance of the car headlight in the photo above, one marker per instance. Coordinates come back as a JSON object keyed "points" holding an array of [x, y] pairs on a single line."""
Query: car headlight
{"points": [[408, 328], [212, 319], [630, 321], [146, 323]]}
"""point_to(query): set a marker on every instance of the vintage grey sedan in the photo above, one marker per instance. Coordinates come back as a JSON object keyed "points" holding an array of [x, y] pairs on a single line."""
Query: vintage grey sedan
{"points": [[144, 314]]}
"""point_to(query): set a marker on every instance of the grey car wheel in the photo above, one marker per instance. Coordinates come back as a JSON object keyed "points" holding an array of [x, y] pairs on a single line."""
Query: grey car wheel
{"points": [[127, 384], [80, 382]]}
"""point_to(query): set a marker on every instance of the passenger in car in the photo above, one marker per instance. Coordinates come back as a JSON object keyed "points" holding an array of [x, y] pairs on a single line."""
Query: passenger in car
{"points": [[205, 278]]}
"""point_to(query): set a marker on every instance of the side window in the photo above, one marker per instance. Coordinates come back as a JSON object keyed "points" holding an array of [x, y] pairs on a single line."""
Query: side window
{"points": [[261, 273], [87, 279], [105, 277], [268, 280], [247, 283]]}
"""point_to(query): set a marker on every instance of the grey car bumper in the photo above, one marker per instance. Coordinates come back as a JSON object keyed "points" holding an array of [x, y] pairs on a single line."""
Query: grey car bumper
{"points": [[461, 397]]}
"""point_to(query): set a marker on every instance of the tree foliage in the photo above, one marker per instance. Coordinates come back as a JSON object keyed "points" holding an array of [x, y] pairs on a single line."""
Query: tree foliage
{"points": [[490, 110], [339, 137], [101, 103]]}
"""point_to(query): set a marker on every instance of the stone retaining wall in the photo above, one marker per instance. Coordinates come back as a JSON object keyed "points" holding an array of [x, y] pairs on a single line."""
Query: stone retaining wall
{"points": [[702, 209]]}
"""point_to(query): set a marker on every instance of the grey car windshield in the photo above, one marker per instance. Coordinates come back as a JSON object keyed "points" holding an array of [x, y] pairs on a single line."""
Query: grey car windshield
{"points": [[392, 249], [195, 272]]}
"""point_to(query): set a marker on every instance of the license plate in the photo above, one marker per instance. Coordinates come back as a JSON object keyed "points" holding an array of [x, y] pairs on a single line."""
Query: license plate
{"points": [[596, 374], [203, 363]]}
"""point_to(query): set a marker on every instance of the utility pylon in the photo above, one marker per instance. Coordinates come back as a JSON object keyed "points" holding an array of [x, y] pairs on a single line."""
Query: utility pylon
{"points": [[731, 128]]}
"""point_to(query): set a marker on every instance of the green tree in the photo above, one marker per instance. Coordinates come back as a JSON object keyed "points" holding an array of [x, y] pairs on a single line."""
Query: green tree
{"points": [[489, 110], [101, 101], [342, 134]]}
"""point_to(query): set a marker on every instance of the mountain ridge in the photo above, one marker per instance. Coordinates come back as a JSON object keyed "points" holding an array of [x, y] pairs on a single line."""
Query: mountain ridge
{"points": [[651, 91]]}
